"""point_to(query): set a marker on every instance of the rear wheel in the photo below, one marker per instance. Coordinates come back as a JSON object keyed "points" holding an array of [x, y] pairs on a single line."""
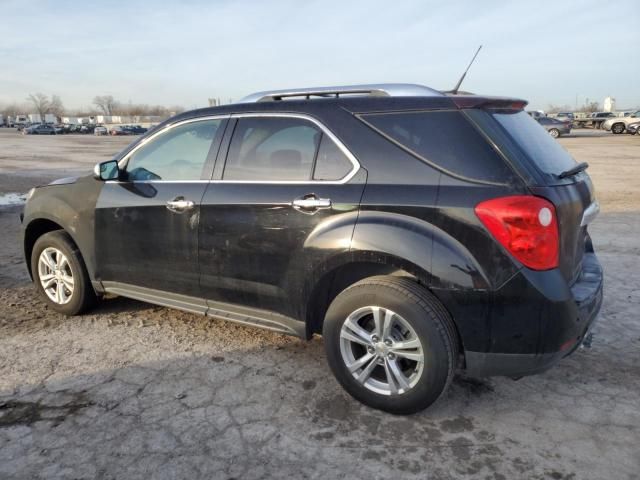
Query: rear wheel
{"points": [[617, 128], [391, 344], [554, 132], [60, 274]]}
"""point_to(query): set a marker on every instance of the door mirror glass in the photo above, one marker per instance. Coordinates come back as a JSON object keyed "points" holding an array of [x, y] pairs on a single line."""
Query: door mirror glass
{"points": [[106, 170]]}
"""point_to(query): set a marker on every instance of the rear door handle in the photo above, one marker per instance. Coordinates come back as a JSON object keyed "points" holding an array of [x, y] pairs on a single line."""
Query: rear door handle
{"points": [[311, 203], [179, 205]]}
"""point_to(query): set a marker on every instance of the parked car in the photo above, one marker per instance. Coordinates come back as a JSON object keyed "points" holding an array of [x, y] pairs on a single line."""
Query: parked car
{"points": [[632, 128], [42, 129], [565, 116], [134, 129], [118, 130], [619, 124], [100, 131], [418, 232], [59, 129], [555, 127], [594, 120], [87, 128]]}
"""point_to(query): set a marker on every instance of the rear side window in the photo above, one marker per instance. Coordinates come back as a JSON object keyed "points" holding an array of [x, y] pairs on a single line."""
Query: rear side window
{"points": [[272, 149], [445, 139], [283, 149], [332, 163], [545, 151]]}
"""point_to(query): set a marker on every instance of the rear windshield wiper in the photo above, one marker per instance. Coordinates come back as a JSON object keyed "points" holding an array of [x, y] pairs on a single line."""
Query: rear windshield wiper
{"points": [[575, 170]]}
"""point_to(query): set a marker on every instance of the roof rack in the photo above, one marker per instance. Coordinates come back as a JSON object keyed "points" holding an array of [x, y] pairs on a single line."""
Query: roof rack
{"points": [[373, 90]]}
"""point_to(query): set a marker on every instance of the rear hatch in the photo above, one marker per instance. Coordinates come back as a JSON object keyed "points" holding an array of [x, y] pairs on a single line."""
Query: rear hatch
{"points": [[546, 165]]}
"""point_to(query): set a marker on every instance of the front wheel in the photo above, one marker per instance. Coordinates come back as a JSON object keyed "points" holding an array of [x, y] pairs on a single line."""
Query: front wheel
{"points": [[390, 344], [617, 128], [60, 274], [554, 132]]}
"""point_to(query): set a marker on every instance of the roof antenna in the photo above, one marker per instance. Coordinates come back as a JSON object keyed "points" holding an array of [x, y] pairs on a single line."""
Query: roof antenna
{"points": [[457, 87]]}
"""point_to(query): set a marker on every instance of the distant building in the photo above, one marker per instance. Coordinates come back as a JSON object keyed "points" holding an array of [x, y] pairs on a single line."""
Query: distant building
{"points": [[108, 119], [609, 104], [72, 120], [48, 118], [148, 118]]}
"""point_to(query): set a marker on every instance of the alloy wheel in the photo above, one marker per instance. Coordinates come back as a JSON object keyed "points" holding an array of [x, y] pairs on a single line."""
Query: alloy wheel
{"points": [[381, 350], [617, 128], [56, 276]]}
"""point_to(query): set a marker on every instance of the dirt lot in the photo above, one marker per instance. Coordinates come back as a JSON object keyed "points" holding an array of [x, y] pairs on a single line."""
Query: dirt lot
{"points": [[137, 391]]}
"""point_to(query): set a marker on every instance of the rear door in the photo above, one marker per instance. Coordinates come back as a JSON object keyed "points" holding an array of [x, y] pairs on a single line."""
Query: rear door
{"points": [[147, 222], [284, 177]]}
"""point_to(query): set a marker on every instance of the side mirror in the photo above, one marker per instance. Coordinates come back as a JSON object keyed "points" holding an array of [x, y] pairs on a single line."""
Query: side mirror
{"points": [[106, 171]]}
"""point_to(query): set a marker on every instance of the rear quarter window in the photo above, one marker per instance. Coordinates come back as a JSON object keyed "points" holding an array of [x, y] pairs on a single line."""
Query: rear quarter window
{"points": [[445, 139], [542, 149]]}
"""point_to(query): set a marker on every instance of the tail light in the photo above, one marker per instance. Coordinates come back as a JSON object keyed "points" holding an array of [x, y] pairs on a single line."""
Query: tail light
{"points": [[526, 226]]}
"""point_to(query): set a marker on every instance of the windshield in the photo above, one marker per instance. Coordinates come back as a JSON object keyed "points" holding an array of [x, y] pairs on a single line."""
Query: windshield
{"points": [[535, 142]]}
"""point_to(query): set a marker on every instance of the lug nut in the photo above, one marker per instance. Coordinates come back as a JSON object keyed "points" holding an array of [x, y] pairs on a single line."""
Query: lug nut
{"points": [[374, 338], [387, 342], [371, 349], [391, 356]]}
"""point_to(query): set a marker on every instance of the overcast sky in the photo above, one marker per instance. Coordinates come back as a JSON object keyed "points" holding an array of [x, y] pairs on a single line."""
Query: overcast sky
{"points": [[185, 52]]}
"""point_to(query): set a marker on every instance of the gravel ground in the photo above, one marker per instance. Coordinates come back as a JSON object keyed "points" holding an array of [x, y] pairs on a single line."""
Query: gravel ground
{"points": [[137, 391]]}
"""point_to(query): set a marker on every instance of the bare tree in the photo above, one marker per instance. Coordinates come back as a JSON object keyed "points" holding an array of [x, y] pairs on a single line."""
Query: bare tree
{"points": [[558, 108], [55, 106], [41, 104], [591, 107], [13, 109], [106, 103]]}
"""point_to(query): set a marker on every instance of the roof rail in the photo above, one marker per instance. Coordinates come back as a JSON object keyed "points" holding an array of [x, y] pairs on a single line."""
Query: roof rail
{"points": [[374, 90]]}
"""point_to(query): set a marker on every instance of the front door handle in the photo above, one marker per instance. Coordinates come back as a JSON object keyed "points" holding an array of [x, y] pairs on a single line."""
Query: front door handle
{"points": [[179, 205], [311, 203]]}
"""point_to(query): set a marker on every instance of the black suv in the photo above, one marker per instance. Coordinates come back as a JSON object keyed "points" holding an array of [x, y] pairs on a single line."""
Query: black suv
{"points": [[417, 231]]}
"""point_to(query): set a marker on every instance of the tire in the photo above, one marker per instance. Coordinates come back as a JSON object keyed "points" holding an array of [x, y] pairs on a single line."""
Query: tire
{"points": [[76, 296], [554, 132], [618, 128], [415, 315]]}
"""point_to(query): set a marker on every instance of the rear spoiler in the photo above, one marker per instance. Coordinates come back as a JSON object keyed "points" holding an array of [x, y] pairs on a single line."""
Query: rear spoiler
{"points": [[476, 101]]}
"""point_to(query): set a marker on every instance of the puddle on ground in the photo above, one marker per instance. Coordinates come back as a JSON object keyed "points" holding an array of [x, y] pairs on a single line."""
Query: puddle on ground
{"points": [[14, 413], [13, 199]]}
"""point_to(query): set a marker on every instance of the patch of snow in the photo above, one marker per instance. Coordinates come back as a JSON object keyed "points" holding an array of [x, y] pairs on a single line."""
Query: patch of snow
{"points": [[13, 199]]}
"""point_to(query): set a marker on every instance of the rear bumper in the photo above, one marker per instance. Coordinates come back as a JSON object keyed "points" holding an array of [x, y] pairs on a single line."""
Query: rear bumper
{"points": [[564, 318]]}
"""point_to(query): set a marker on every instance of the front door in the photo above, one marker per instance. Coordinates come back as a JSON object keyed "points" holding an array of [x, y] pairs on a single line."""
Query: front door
{"points": [[285, 179], [147, 221]]}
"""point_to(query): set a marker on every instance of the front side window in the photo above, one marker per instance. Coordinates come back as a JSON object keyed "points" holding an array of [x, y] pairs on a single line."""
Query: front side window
{"points": [[177, 154], [272, 149]]}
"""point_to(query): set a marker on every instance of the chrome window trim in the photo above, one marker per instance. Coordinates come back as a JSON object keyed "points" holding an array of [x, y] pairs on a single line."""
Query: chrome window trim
{"points": [[325, 130]]}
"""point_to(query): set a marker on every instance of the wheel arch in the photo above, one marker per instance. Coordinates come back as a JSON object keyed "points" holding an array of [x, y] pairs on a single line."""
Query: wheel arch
{"points": [[34, 230], [359, 266]]}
